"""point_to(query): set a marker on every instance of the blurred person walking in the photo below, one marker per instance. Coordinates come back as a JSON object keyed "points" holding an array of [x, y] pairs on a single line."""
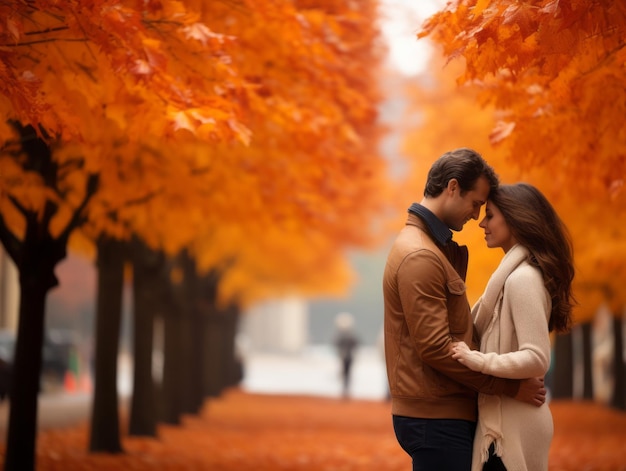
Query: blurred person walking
{"points": [[528, 296], [346, 343]]}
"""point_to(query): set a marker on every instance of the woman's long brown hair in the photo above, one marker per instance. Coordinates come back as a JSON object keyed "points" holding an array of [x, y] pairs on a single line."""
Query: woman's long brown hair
{"points": [[536, 225]]}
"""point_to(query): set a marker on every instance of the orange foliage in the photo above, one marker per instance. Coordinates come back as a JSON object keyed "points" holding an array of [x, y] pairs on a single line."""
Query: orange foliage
{"points": [[551, 76], [269, 433], [556, 69], [247, 130], [155, 69], [285, 208], [556, 72]]}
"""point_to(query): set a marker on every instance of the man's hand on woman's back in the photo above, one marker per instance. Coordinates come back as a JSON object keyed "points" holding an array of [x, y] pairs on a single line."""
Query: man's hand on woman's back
{"points": [[532, 391]]}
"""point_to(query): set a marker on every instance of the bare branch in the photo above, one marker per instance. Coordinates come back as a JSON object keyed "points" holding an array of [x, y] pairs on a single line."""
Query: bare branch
{"points": [[49, 210], [78, 218], [25, 212], [41, 41], [47, 30]]}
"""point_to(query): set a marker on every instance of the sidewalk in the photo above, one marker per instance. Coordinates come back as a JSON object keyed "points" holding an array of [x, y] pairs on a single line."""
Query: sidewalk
{"points": [[265, 432], [313, 372], [288, 416], [316, 372]]}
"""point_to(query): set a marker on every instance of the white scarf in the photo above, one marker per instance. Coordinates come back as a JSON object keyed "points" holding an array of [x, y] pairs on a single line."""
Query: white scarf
{"points": [[486, 312]]}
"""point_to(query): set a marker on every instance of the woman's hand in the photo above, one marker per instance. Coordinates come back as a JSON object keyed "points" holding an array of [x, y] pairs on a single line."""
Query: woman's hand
{"points": [[473, 359]]}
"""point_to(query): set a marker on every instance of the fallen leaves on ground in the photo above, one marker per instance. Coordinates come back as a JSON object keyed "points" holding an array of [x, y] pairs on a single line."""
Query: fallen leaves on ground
{"points": [[273, 433]]}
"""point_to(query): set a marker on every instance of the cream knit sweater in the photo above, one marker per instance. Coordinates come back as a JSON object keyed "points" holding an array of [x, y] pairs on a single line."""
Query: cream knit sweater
{"points": [[512, 320]]}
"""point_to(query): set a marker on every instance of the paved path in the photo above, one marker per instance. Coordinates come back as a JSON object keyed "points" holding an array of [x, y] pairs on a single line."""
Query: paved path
{"points": [[315, 372], [56, 409]]}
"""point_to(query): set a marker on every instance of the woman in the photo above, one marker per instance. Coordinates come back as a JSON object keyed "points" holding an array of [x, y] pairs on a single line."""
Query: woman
{"points": [[528, 296]]}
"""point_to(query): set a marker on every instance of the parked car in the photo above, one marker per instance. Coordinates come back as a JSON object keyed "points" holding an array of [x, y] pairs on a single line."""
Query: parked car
{"points": [[58, 347], [57, 350], [7, 345]]}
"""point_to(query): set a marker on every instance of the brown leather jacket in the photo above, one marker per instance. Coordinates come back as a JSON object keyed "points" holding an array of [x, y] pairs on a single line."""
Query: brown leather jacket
{"points": [[426, 309]]}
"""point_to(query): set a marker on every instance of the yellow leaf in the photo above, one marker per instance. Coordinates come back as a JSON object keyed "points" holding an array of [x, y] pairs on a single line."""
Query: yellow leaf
{"points": [[480, 6]]}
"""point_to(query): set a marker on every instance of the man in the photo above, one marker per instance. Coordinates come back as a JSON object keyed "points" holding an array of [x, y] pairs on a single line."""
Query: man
{"points": [[434, 397], [346, 343]]}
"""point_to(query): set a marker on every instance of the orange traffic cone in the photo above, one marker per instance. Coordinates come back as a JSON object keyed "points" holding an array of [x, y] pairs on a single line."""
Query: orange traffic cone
{"points": [[69, 382]]}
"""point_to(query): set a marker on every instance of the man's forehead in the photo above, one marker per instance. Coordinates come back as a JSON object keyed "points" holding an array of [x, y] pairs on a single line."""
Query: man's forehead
{"points": [[481, 190]]}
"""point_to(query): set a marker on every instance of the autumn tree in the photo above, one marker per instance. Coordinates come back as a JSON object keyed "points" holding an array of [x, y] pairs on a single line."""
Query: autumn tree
{"points": [[151, 100], [313, 157], [34, 230], [279, 213], [70, 72]]}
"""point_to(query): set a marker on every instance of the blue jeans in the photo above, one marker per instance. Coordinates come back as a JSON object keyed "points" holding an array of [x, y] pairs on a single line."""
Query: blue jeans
{"points": [[436, 444]]}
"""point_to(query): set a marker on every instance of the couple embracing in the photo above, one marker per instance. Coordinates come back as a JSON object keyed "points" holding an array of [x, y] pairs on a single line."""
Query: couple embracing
{"points": [[467, 385]]}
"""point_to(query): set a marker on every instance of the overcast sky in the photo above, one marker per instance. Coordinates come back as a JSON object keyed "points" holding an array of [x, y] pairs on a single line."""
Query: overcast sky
{"points": [[400, 24]]}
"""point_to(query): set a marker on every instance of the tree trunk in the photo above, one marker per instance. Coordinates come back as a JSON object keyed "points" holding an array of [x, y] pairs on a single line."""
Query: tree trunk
{"points": [[194, 397], [35, 256], [197, 319], [563, 370], [171, 399], [223, 369], [234, 370], [211, 385], [147, 265], [212, 352], [618, 400], [193, 336], [22, 432], [183, 362], [171, 392], [105, 425], [586, 329]]}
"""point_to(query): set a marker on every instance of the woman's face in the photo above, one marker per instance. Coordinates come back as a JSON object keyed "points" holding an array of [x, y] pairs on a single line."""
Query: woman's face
{"points": [[497, 232]]}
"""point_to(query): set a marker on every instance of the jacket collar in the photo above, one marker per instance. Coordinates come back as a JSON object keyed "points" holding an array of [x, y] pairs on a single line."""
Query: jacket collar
{"points": [[456, 254], [440, 232]]}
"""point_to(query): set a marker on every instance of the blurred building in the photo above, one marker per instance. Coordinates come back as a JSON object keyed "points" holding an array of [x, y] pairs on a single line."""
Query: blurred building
{"points": [[9, 292], [276, 326], [602, 355]]}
